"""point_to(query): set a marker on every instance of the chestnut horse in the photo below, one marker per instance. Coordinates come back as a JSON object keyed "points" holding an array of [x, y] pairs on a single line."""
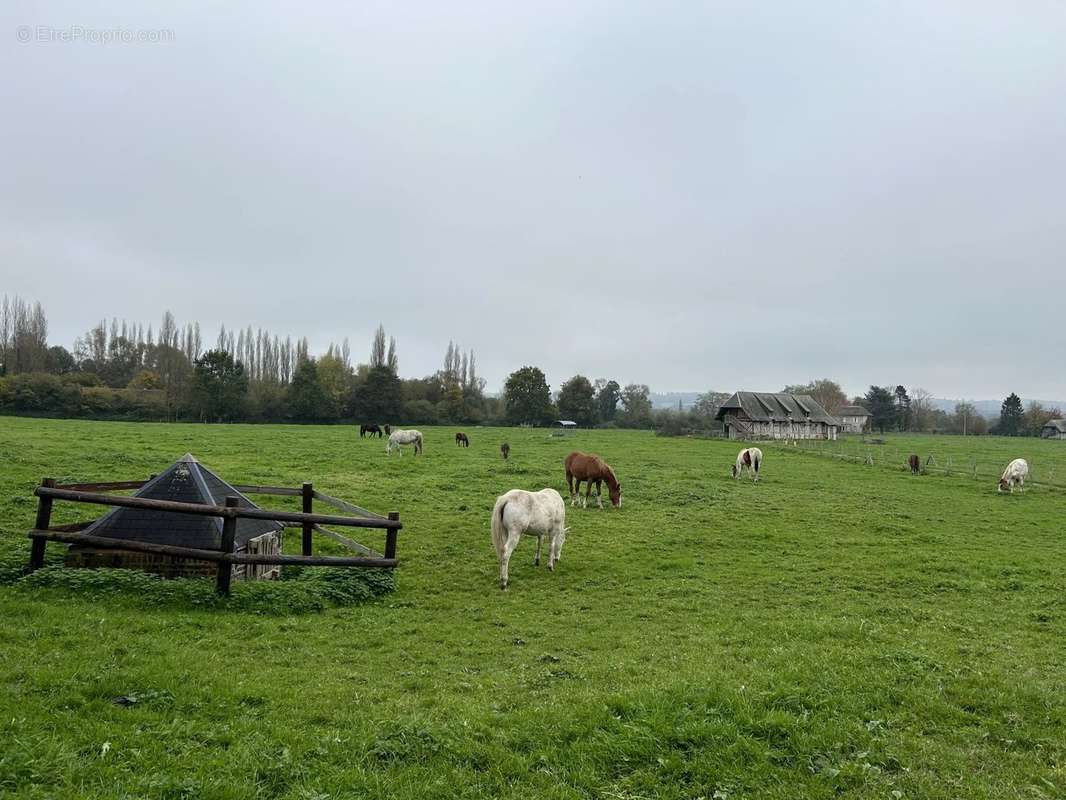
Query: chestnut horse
{"points": [[915, 464], [591, 468], [462, 439]]}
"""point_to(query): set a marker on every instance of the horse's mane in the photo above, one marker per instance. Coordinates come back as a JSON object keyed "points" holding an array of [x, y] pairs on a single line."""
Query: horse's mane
{"points": [[612, 480]]}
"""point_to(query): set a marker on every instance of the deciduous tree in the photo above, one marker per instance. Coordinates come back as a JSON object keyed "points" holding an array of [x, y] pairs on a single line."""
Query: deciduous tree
{"points": [[219, 386], [636, 406], [527, 397], [577, 401], [608, 393]]}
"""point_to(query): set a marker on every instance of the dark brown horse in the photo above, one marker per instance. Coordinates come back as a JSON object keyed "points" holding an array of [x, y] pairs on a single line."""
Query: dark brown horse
{"points": [[371, 429], [594, 470], [388, 429], [915, 465], [462, 439], [505, 450]]}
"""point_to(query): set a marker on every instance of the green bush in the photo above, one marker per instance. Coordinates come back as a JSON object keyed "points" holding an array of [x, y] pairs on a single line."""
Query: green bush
{"points": [[38, 392]]}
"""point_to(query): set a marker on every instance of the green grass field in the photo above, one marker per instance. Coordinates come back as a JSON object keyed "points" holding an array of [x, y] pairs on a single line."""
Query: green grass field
{"points": [[985, 456], [835, 630]]}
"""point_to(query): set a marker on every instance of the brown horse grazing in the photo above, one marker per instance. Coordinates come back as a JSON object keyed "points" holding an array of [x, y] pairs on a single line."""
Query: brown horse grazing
{"points": [[462, 439], [505, 450], [388, 430], [915, 465], [593, 469]]}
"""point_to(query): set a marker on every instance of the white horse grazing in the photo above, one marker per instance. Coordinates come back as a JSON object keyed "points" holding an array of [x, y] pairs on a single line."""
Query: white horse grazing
{"points": [[1015, 474], [537, 514], [397, 438], [751, 458]]}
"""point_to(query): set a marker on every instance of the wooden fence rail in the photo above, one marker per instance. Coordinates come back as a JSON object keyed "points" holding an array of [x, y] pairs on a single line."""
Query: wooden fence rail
{"points": [[218, 556], [93, 493], [48, 492]]}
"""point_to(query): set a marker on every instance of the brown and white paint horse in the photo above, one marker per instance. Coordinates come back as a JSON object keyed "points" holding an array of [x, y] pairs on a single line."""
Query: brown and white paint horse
{"points": [[462, 439], [749, 458], [591, 468], [1014, 475]]}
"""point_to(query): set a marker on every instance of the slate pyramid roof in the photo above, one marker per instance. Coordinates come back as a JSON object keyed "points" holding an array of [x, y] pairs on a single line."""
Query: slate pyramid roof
{"points": [[187, 481]]}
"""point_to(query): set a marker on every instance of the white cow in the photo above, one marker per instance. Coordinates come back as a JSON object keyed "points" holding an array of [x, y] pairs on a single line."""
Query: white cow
{"points": [[1015, 474], [537, 514], [397, 438]]}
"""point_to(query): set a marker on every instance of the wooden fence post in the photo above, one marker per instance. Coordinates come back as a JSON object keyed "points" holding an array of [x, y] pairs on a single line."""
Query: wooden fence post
{"points": [[229, 533], [44, 519], [308, 496], [390, 536]]}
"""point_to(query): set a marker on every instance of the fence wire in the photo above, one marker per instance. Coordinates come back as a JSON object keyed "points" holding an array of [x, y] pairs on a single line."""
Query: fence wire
{"points": [[890, 456]]}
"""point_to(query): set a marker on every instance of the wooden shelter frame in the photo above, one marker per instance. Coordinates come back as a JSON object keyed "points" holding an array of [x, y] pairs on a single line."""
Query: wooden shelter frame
{"points": [[307, 520]]}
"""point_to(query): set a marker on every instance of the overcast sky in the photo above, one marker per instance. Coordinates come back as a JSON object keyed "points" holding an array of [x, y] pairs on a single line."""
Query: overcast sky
{"points": [[690, 195]]}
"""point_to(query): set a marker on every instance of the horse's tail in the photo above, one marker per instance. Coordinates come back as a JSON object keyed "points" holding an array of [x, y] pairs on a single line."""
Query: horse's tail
{"points": [[756, 460], [499, 532]]}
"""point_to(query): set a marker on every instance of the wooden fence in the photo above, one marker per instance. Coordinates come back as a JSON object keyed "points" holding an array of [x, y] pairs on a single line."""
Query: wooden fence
{"points": [[308, 521]]}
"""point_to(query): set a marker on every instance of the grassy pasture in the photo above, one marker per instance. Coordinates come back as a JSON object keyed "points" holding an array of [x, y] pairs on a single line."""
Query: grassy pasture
{"points": [[954, 455], [836, 630]]}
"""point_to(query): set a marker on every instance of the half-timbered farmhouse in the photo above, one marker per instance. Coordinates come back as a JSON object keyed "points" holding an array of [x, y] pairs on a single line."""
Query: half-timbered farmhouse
{"points": [[763, 415], [853, 419], [1054, 429]]}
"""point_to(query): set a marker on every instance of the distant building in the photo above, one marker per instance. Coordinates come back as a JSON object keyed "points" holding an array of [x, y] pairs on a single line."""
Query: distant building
{"points": [[1054, 429], [853, 419], [762, 415], [563, 427]]}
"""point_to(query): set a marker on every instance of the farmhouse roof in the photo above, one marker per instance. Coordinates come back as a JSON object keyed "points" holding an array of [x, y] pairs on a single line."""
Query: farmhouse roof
{"points": [[1057, 424], [776, 407], [853, 411], [186, 481]]}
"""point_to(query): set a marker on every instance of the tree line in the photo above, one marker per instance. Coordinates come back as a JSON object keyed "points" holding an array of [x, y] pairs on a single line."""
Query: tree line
{"points": [[119, 370]]}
